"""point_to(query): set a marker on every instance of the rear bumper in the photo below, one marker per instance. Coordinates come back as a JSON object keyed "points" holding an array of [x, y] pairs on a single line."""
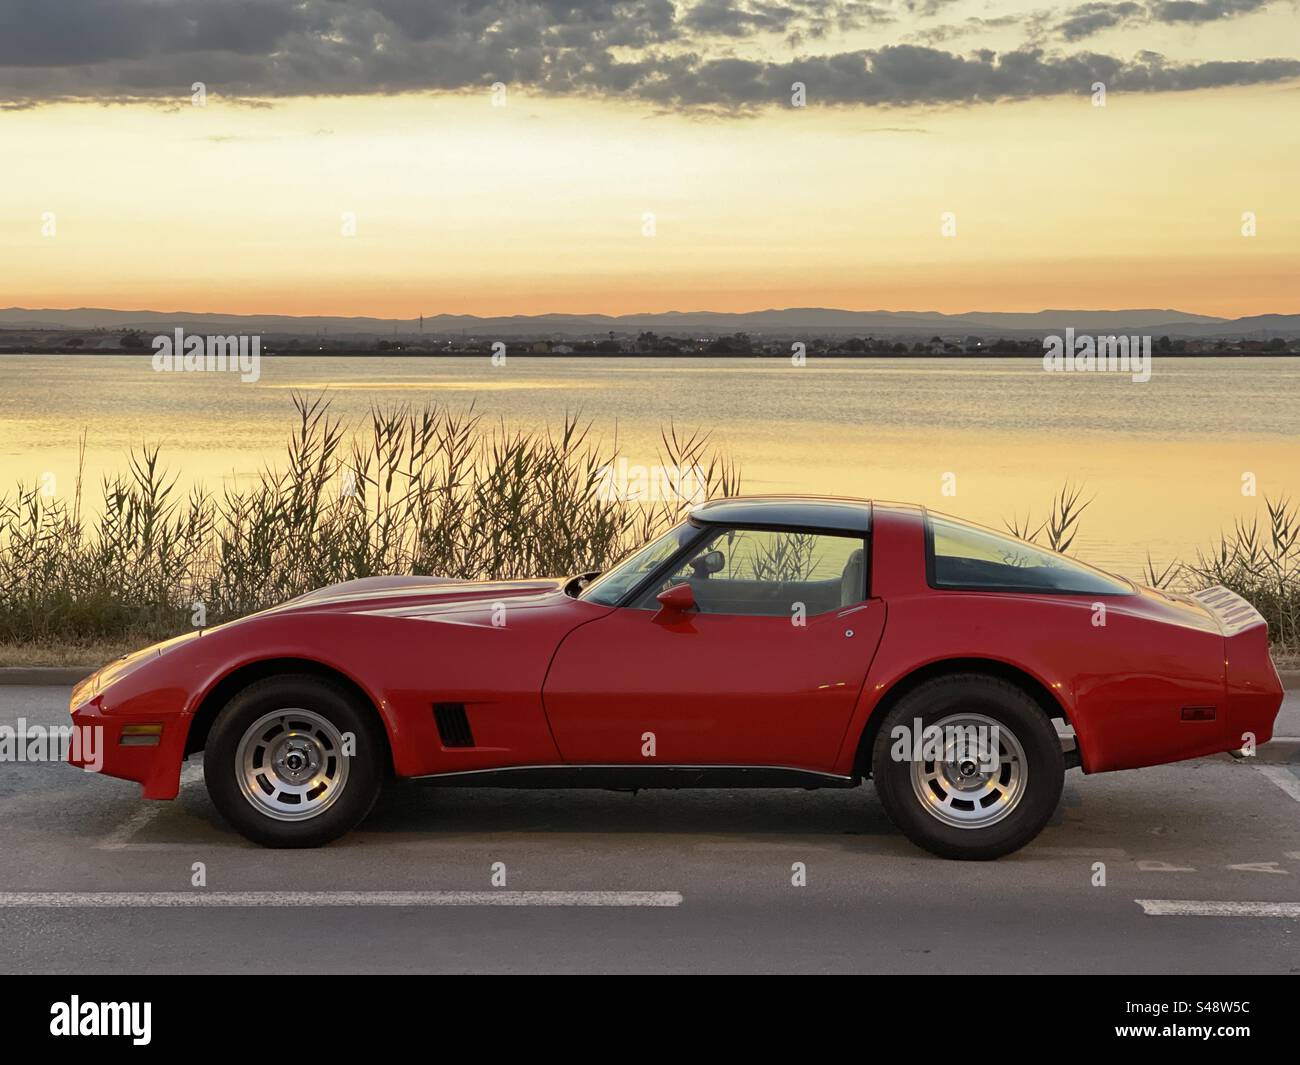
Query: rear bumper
{"points": [[1253, 688], [155, 766]]}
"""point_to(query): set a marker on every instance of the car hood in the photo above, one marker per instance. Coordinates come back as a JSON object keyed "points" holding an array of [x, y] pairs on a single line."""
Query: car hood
{"points": [[423, 595], [438, 599]]}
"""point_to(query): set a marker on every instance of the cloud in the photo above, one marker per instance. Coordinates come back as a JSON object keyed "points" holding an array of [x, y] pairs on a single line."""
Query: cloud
{"points": [[1203, 10], [910, 74], [1087, 19], [36, 33], [1091, 18], [673, 56], [926, 8], [795, 19]]}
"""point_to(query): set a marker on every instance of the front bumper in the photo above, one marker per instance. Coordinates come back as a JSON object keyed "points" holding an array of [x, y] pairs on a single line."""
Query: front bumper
{"points": [[155, 766]]}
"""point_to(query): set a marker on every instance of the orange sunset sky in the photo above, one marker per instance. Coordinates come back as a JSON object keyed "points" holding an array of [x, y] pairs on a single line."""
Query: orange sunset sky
{"points": [[648, 157]]}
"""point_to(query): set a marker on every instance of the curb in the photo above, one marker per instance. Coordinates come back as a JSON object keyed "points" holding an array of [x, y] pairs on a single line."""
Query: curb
{"points": [[54, 675], [67, 675]]}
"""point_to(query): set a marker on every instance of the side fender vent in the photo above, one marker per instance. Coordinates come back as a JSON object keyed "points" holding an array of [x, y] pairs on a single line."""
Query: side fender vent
{"points": [[453, 724]]}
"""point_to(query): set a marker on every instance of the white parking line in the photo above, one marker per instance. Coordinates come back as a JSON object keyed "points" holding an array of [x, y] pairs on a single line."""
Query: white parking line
{"points": [[1283, 778], [1187, 908], [120, 837], [68, 900]]}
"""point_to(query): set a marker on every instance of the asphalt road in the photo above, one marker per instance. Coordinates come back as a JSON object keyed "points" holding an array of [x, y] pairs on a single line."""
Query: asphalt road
{"points": [[719, 865]]}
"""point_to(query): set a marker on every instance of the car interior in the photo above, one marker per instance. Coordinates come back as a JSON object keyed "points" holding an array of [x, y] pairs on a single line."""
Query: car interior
{"points": [[741, 583]]}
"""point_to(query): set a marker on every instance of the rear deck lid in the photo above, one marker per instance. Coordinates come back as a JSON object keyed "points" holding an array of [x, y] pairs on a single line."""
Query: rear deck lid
{"points": [[1233, 613]]}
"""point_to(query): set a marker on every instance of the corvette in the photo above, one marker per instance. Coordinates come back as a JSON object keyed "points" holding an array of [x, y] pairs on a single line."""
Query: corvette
{"points": [[764, 642]]}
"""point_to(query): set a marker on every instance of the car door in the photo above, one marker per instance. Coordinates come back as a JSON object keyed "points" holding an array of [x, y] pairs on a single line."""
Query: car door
{"points": [[765, 672]]}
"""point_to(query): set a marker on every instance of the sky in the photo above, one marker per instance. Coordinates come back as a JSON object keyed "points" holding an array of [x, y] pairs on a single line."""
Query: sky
{"points": [[397, 158]]}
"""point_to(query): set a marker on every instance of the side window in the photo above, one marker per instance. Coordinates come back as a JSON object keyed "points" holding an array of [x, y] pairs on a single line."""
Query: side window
{"points": [[771, 573], [966, 557]]}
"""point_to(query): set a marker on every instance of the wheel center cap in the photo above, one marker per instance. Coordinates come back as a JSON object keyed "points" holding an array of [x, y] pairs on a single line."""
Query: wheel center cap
{"points": [[296, 760]]}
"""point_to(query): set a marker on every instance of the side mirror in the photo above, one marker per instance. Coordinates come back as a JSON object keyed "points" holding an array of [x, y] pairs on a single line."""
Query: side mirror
{"points": [[677, 600]]}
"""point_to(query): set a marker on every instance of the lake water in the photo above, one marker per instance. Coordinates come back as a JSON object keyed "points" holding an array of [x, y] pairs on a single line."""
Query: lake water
{"points": [[1164, 460]]}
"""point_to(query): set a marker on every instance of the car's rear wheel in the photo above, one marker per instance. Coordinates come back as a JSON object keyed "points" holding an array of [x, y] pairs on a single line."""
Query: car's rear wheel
{"points": [[968, 766], [294, 761]]}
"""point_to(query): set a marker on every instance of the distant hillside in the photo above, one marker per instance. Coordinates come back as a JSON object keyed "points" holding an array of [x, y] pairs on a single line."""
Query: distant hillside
{"points": [[789, 321]]}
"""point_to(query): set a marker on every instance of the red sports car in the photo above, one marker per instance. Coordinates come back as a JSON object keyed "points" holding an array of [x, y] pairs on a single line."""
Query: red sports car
{"points": [[764, 642]]}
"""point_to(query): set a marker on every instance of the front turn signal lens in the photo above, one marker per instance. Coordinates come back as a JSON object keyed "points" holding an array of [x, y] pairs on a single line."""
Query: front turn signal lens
{"points": [[140, 736]]}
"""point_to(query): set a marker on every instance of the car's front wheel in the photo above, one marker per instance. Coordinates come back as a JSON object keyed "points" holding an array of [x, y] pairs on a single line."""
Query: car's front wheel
{"points": [[968, 766], [294, 761]]}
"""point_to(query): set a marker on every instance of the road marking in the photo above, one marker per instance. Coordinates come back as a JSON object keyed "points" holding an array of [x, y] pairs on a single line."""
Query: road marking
{"points": [[1259, 867], [120, 837], [71, 900], [1186, 908], [1283, 778], [1151, 866]]}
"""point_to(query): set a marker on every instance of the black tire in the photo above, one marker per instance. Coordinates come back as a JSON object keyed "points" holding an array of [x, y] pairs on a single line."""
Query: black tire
{"points": [[365, 768], [1015, 713]]}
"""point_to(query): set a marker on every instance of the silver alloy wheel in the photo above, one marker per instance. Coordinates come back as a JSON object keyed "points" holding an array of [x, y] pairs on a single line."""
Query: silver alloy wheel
{"points": [[290, 764], [971, 788]]}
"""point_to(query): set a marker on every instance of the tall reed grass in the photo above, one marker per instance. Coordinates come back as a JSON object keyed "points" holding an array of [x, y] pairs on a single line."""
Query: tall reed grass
{"points": [[422, 490], [1262, 566], [429, 490]]}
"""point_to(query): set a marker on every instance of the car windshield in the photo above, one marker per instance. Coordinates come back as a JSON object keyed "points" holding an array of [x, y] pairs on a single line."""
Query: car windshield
{"points": [[970, 558], [611, 587]]}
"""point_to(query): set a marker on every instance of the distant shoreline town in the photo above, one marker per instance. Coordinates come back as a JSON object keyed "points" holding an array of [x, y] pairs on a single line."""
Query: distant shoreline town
{"points": [[646, 344], [775, 333]]}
